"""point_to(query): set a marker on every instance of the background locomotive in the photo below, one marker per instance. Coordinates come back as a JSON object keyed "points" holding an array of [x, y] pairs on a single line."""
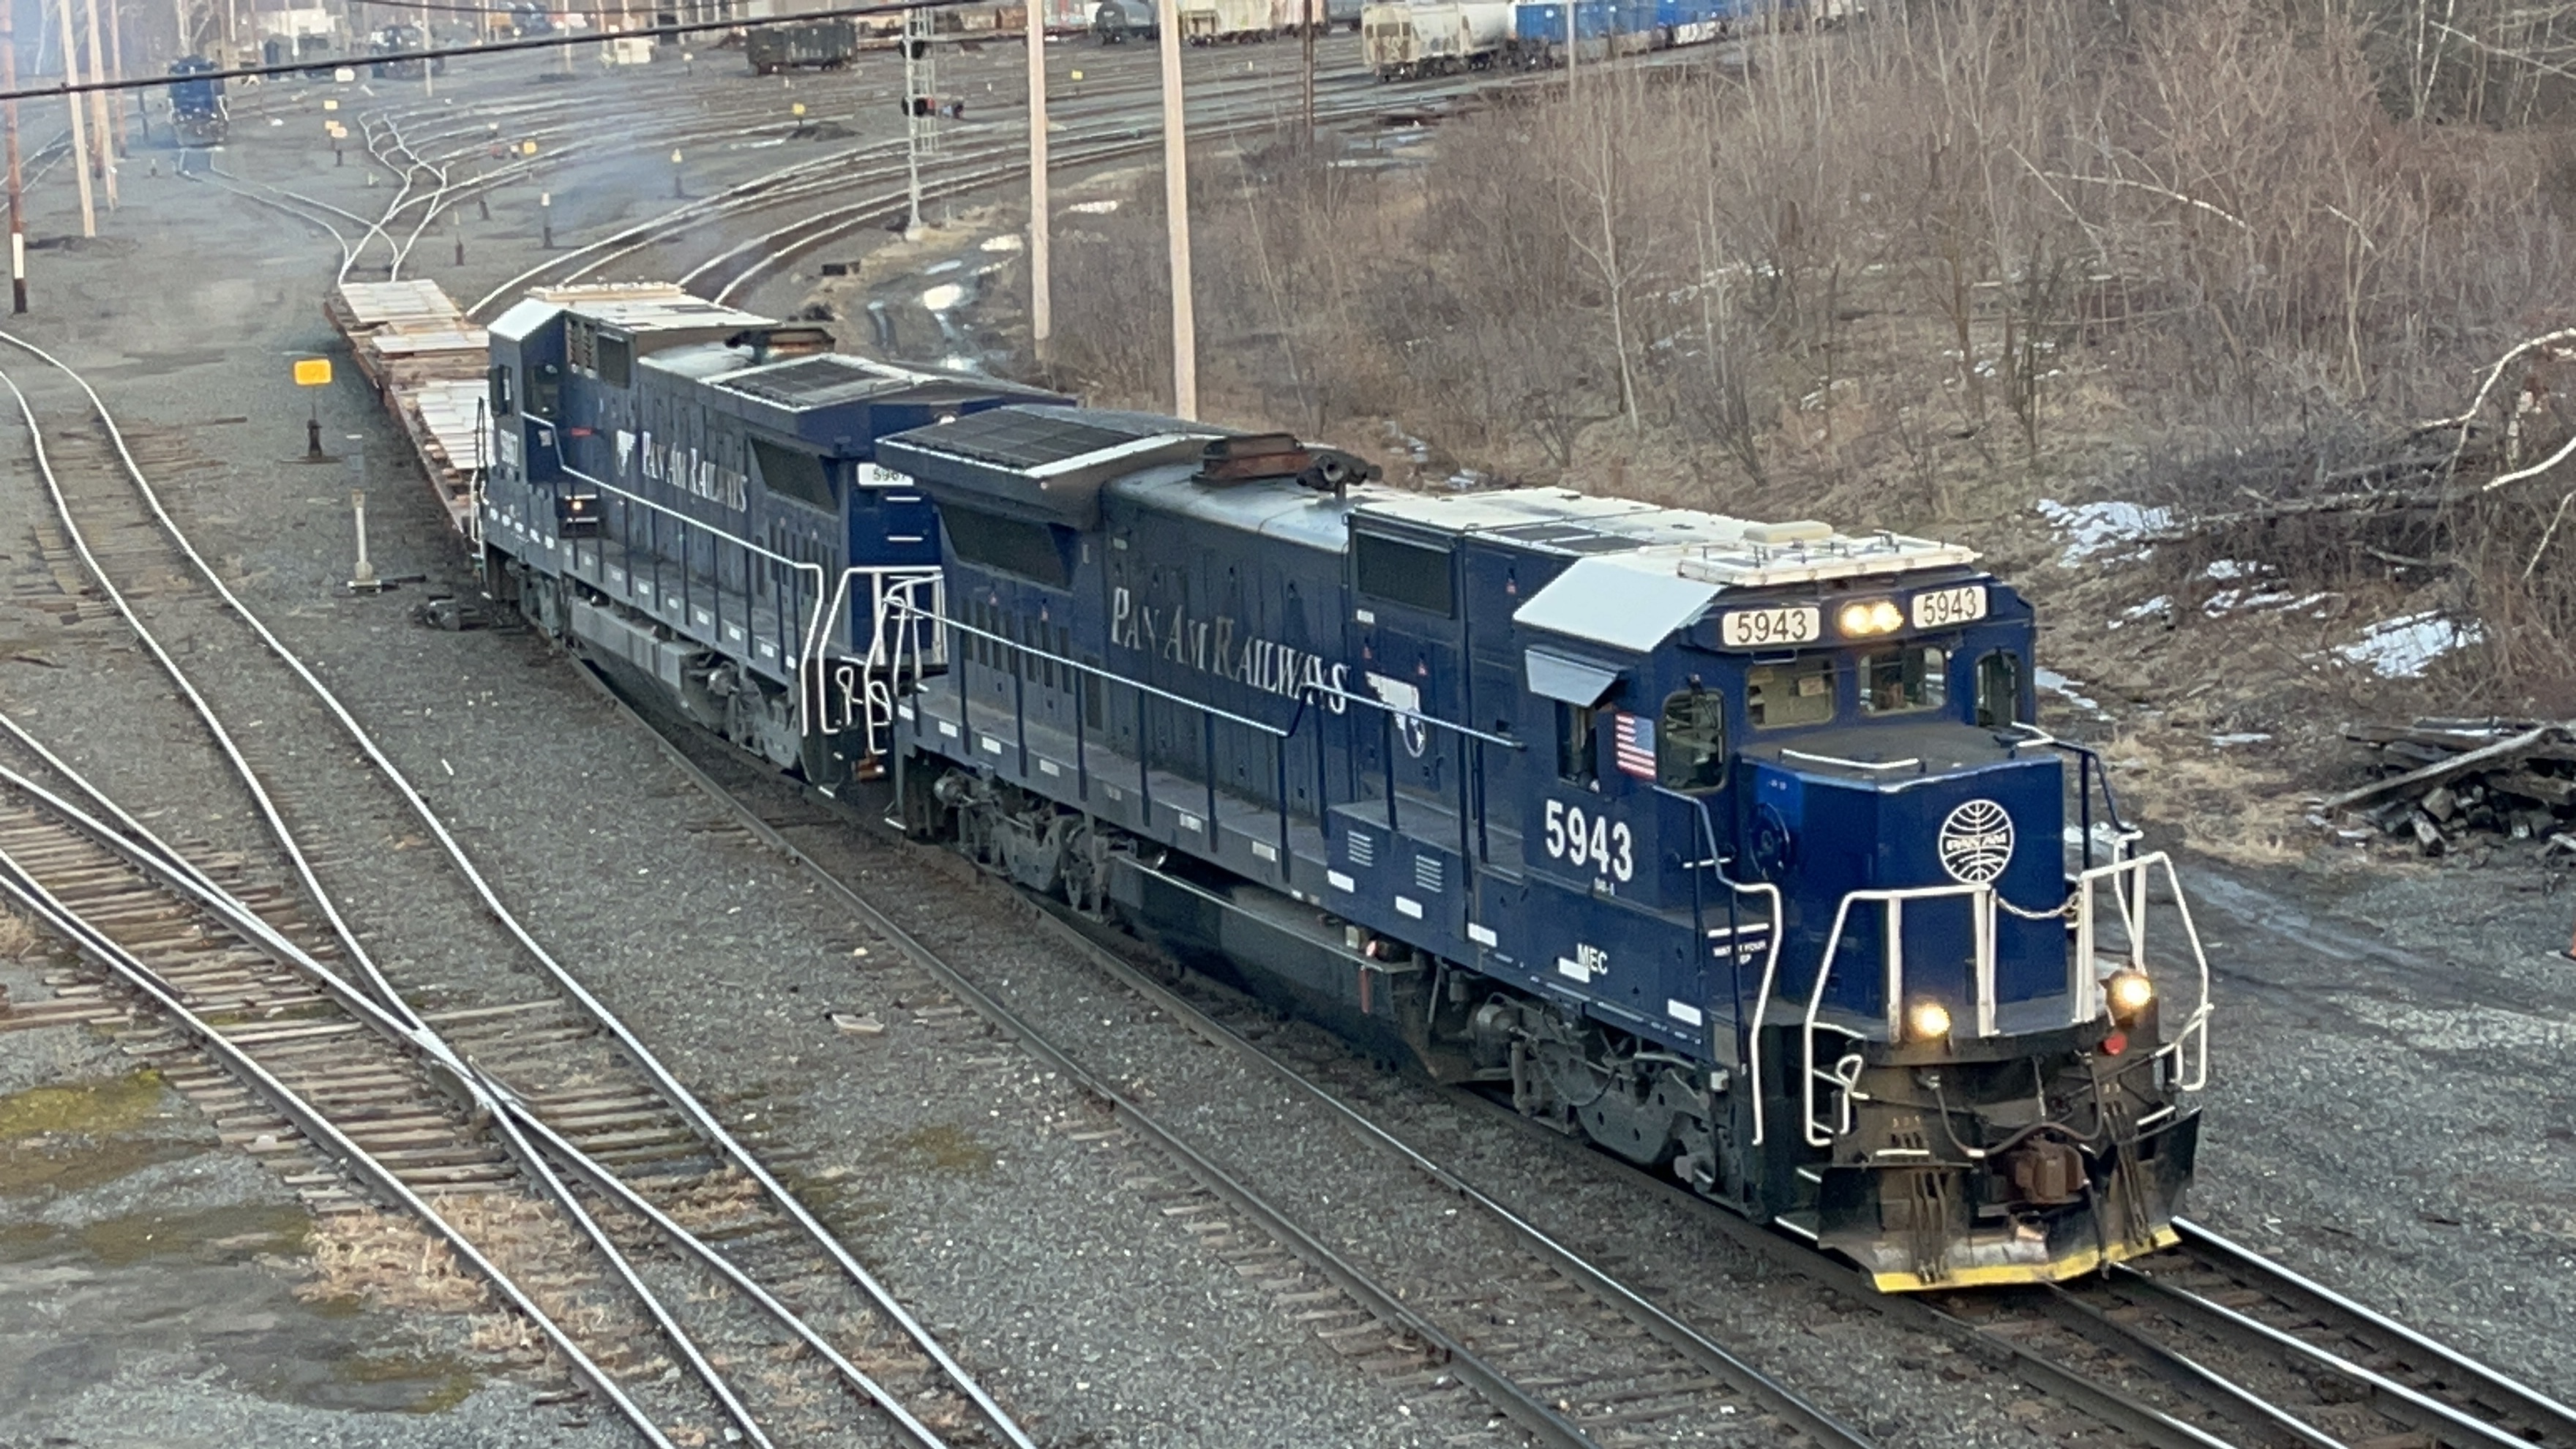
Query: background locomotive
{"points": [[1730, 846], [688, 491], [198, 113]]}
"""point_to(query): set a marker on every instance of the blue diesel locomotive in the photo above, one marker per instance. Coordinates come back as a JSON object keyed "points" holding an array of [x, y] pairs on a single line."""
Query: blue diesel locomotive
{"points": [[690, 492], [1731, 847]]}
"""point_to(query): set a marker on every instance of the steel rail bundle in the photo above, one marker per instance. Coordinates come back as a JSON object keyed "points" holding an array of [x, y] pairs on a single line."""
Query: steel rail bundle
{"points": [[624, 1048], [1549, 1415]]}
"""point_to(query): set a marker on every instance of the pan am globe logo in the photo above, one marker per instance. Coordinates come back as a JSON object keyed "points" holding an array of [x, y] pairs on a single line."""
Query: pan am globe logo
{"points": [[1976, 842]]}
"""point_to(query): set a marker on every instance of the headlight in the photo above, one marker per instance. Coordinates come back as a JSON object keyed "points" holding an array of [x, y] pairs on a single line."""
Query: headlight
{"points": [[1870, 616], [2129, 993], [1927, 1021]]}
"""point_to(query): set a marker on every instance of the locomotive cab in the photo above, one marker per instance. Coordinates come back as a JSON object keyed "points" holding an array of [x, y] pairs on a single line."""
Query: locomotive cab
{"points": [[1954, 1032]]}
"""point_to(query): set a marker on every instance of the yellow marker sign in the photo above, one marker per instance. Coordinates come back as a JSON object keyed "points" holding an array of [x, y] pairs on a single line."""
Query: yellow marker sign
{"points": [[527, 148], [797, 109], [330, 105], [1077, 75], [313, 372]]}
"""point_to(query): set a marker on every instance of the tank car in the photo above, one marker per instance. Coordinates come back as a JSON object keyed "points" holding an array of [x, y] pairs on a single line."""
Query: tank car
{"points": [[199, 115], [688, 493], [804, 45], [1118, 21], [1730, 847]]}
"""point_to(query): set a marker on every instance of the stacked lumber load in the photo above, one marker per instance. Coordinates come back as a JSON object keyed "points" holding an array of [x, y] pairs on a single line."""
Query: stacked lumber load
{"points": [[2449, 779], [428, 363]]}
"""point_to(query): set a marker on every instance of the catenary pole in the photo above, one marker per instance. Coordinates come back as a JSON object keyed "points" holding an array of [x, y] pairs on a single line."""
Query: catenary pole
{"points": [[17, 187], [1176, 201], [116, 68], [1041, 295], [80, 128]]}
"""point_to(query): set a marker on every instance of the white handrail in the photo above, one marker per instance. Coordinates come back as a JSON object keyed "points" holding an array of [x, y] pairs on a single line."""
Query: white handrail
{"points": [[1982, 907]]}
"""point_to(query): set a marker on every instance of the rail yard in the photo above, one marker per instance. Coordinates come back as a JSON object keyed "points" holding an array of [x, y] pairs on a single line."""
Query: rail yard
{"points": [[490, 976]]}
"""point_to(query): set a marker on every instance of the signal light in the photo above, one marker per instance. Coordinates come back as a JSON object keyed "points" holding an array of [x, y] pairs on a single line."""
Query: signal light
{"points": [[1870, 616]]}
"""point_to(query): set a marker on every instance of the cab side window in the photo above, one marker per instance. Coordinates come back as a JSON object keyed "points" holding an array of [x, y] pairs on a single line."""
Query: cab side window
{"points": [[1999, 701], [1577, 761], [1690, 741]]}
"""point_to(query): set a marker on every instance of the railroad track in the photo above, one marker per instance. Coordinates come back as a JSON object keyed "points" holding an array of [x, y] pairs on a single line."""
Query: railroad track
{"points": [[605, 1177], [1557, 1344]]}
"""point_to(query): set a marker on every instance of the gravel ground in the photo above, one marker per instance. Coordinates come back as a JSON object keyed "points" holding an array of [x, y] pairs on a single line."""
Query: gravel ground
{"points": [[2388, 1110]]}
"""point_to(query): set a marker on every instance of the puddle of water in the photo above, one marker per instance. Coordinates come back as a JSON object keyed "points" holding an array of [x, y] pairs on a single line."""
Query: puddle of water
{"points": [[940, 1147], [232, 1234]]}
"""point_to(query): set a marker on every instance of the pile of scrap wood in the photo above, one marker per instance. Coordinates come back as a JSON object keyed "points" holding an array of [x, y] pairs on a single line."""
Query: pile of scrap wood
{"points": [[2448, 778]]}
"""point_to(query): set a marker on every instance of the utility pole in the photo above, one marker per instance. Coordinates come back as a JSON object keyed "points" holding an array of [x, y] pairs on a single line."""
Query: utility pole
{"points": [[17, 189], [920, 102], [180, 9], [116, 69], [80, 128], [1176, 201], [98, 106], [1041, 299], [428, 68], [1306, 81]]}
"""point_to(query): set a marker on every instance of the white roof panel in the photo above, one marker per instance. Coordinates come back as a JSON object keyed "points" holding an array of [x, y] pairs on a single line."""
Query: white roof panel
{"points": [[1622, 600]]}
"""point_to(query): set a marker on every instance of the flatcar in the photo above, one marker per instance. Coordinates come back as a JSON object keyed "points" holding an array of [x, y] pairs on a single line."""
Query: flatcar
{"points": [[688, 493], [802, 45], [1730, 847], [199, 115]]}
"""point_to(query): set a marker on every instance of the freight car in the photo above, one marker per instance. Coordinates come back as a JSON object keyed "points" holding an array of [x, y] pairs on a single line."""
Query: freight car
{"points": [[1404, 41], [689, 493], [800, 45], [1118, 21], [1730, 847], [199, 115]]}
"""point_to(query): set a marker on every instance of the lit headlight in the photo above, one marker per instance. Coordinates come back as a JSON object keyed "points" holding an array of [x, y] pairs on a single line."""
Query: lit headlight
{"points": [[1927, 1021], [2129, 993], [1870, 616]]}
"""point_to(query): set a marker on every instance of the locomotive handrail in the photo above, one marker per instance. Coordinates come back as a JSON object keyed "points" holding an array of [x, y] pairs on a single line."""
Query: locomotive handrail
{"points": [[2084, 984], [1748, 1029], [808, 648], [1982, 908], [2089, 769]]}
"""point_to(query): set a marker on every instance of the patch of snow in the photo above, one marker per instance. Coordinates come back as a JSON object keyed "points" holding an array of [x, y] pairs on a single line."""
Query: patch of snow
{"points": [[2228, 568], [1094, 208], [1006, 242], [2227, 601], [2250, 737], [2059, 684], [2403, 647], [943, 296], [2157, 605], [2094, 528], [935, 268]]}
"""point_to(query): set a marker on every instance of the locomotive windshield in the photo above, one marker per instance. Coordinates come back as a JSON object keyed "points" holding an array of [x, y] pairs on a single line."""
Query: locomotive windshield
{"points": [[1797, 692]]}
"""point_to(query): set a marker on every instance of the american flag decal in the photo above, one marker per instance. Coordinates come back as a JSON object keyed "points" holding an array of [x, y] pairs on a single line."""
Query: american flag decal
{"points": [[1636, 746]]}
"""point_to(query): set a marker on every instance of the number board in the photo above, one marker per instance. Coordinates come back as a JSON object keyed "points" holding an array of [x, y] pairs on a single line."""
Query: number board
{"points": [[1755, 628], [1942, 608]]}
